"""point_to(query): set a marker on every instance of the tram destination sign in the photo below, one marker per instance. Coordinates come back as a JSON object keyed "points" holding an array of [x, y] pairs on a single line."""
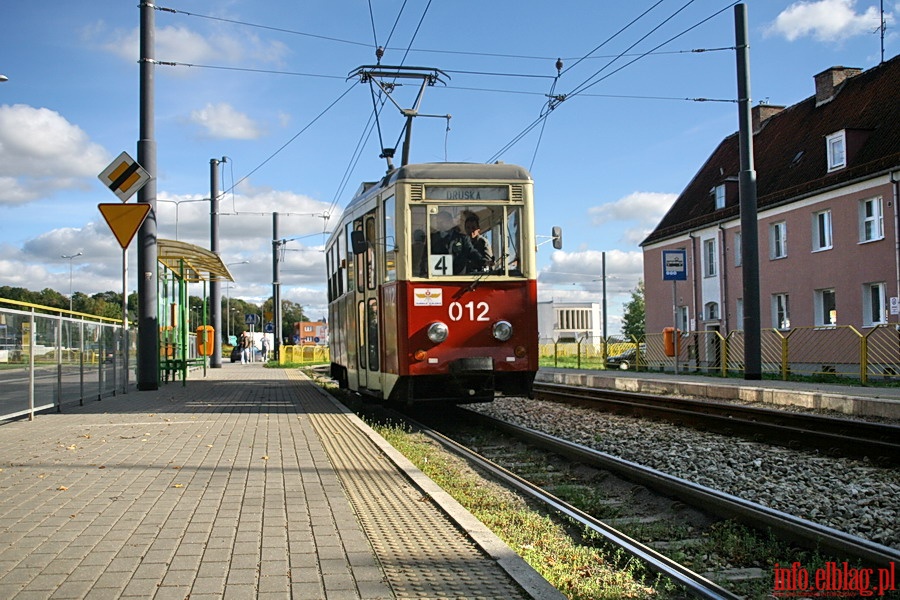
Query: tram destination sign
{"points": [[467, 192], [674, 265]]}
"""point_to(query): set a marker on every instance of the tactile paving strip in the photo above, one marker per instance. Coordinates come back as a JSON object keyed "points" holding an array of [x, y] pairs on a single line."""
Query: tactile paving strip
{"points": [[422, 553]]}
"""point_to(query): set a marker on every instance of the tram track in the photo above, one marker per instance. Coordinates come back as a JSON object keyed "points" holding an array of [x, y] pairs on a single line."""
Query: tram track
{"points": [[878, 442], [792, 529]]}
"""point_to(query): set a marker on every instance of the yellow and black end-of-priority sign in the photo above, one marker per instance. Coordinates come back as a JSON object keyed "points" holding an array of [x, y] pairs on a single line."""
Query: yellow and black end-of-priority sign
{"points": [[124, 220], [124, 176]]}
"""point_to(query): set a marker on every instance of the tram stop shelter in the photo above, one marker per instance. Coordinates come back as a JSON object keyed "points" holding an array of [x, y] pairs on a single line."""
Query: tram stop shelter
{"points": [[179, 348]]}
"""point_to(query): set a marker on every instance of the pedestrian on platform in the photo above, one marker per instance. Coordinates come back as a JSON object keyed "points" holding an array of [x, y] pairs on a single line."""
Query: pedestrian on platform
{"points": [[246, 346], [265, 349]]}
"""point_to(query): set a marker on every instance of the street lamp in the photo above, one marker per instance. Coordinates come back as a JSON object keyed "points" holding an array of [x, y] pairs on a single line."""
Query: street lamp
{"points": [[177, 204], [70, 257]]}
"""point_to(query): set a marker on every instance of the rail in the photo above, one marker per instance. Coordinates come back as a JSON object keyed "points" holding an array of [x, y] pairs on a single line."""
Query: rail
{"points": [[824, 353]]}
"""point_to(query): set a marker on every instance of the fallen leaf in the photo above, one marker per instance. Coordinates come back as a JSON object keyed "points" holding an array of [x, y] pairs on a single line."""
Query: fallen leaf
{"points": [[61, 488], [265, 458], [178, 485], [102, 467]]}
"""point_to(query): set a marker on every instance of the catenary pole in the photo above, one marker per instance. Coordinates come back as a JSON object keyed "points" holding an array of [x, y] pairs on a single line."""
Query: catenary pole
{"points": [[215, 286], [276, 291], [147, 272], [749, 224]]}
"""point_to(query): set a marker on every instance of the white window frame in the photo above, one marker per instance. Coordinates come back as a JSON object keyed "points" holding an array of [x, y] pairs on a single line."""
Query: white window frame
{"points": [[836, 147], [821, 231], [682, 319], [825, 317], [874, 305], [738, 250], [781, 311], [709, 257], [871, 223], [719, 193], [778, 240]]}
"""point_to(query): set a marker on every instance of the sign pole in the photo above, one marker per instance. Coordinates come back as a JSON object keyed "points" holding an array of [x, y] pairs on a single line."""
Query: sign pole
{"points": [[675, 323], [125, 346]]}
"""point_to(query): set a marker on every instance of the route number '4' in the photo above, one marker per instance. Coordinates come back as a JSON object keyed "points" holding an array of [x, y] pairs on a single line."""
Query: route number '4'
{"points": [[440, 264], [475, 311]]}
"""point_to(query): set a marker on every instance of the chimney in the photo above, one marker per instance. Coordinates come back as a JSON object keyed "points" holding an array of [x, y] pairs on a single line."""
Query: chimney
{"points": [[828, 80], [761, 113]]}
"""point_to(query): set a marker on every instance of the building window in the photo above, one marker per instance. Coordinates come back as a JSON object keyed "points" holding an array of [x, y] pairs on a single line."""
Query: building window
{"points": [[781, 317], [821, 234], [836, 145], [682, 318], [778, 240], [826, 308], [739, 315], [712, 311], [873, 304], [871, 222], [709, 258], [738, 256], [719, 192]]}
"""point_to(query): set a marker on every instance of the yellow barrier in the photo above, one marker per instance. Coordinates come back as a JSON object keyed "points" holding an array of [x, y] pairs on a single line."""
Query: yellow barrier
{"points": [[303, 354]]}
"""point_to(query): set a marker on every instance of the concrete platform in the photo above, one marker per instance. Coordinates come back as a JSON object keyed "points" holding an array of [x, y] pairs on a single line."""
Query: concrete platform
{"points": [[851, 400], [249, 483]]}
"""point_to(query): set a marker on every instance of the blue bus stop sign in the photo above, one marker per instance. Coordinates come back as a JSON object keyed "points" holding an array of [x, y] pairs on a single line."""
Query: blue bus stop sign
{"points": [[674, 265]]}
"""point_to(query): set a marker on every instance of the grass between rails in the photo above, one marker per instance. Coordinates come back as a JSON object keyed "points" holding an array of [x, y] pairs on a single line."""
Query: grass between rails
{"points": [[578, 571]]}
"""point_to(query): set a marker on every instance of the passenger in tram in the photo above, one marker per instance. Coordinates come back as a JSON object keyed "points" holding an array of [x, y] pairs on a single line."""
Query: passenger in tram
{"points": [[481, 258]]}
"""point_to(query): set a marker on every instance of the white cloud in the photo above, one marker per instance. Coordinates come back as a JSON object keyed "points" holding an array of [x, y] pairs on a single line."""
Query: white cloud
{"points": [[41, 153], [222, 121], [825, 20], [186, 46], [645, 209]]}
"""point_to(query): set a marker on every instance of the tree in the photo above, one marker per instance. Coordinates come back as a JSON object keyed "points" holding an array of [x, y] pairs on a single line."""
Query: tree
{"points": [[633, 318]]}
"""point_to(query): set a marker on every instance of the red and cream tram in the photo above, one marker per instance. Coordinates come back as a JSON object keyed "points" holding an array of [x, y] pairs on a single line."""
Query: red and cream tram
{"points": [[432, 285]]}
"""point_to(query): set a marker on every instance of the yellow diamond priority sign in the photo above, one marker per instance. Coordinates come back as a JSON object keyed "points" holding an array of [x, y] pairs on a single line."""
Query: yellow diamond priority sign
{"points": [[124, 176], [124, 219]]}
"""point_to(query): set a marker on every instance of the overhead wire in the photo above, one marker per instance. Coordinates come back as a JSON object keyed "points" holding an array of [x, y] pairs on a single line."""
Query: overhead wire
{"points": [[586, 84], [290, 141]]}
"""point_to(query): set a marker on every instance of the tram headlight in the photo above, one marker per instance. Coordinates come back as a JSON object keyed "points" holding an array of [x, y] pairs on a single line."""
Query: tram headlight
{"points": [[503, 330], [437, 332]]}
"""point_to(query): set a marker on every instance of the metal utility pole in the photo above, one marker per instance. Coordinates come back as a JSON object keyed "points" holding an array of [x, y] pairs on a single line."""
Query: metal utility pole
{"points": [[603, 271], [147, 271], [276, 290], [749, 225], [215, 286]]}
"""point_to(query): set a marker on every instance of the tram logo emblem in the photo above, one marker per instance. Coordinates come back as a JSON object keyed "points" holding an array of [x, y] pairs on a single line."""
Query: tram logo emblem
{"points": [[428, 297]]}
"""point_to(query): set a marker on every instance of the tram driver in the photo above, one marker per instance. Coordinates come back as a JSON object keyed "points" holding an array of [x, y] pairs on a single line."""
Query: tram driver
{"points": [[446, 238]]}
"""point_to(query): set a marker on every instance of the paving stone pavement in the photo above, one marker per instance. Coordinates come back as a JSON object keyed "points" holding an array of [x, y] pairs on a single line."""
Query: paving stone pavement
{"points": [[225, 488]]}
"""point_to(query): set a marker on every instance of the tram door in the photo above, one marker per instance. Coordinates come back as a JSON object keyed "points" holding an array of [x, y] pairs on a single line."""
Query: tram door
{"points": [[367, 309]]}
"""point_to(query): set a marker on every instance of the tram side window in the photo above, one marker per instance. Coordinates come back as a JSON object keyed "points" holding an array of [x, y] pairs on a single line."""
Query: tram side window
{"points": [[360, 262], [514, 240], [371, 238], [390, 240], [348, 249], [418, 257]]}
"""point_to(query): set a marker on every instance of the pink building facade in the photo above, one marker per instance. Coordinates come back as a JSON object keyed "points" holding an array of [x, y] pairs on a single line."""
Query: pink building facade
{"points": [[828, 181]]}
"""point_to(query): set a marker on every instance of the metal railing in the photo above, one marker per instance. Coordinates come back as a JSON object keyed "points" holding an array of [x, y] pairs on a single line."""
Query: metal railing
{"points": [[51, 357], [818, 352]]}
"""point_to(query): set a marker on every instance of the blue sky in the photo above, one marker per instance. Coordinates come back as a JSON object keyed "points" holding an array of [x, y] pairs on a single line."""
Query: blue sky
{"points": [[265, 84]]}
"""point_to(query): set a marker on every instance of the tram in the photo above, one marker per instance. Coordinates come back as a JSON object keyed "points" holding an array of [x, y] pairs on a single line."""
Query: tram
{"points": [[432, 285]]}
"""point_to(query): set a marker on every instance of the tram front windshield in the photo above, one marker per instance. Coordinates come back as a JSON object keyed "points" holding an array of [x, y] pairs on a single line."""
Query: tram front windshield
{"points": [[473, 239]]}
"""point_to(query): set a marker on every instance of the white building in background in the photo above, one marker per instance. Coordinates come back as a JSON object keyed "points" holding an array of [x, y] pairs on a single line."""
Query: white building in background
{"points": [[569, 321]]}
